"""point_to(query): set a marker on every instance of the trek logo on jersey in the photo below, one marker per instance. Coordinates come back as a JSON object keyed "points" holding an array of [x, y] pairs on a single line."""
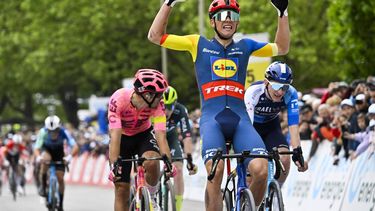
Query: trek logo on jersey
{"points": [[224, 68], [222, 88]]}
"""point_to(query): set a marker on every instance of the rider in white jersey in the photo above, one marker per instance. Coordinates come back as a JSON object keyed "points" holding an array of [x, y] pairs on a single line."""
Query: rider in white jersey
{"points": [[264, 100]]}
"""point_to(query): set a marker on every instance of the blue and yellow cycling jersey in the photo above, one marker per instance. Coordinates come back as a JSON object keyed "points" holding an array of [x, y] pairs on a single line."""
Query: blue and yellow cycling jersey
{"points": [[221, 74], [220, 71]]}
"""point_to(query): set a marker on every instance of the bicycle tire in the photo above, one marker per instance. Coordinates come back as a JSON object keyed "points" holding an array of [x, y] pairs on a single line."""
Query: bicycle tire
{"points": [[132, 198], [227, 199], [247, 202], [145, 200], [13, 184], [54, 200], [275, 197], [169, 197]]}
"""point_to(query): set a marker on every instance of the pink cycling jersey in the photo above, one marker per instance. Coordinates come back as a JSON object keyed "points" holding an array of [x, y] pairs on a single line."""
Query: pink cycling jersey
{"points": [[122, 114]]}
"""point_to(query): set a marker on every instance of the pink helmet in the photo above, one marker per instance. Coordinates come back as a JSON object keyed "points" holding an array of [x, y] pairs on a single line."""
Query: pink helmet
{"points": [[149, 80]]}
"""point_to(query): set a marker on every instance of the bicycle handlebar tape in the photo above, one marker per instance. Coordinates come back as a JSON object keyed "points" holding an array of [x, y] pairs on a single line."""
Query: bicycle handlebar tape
{"points": [[189, 159], [215, 162]]}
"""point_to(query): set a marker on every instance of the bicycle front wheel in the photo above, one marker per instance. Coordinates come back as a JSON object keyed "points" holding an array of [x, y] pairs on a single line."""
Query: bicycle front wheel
{"points": [[12, 183], [169, 199], [247, 202], [53, 196], [132, 198], [228, 203], [275, 198], [145, 204]]}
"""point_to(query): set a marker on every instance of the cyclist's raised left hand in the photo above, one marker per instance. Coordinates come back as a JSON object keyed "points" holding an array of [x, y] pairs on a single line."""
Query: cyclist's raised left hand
{"points": [[171, 3], [281, 7]]}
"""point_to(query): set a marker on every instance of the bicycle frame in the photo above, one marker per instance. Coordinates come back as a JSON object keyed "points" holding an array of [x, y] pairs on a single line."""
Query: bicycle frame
{"points": [[139, 179], [52, 180], [241, 183], [241, 170]]}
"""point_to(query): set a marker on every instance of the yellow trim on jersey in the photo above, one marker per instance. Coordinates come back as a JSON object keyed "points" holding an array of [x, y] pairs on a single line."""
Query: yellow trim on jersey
{"points": [[159, 119], [183, 43], [268, 50]]}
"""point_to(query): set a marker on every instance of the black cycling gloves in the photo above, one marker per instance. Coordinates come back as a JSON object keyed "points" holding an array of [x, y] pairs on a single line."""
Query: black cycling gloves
{"points": [[297, 156], [171, 3], [281, 7]]}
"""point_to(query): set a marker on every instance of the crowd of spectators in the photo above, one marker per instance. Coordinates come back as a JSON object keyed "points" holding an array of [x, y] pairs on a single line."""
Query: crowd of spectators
{"points": [[343, 115]]}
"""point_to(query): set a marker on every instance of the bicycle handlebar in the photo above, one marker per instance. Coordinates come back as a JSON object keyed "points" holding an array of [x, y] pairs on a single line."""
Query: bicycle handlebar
{"points": [[273, 155], [57, 163], [140, 161]]}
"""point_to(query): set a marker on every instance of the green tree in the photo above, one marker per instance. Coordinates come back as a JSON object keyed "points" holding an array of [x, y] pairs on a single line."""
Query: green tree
{"points": [[351, 35]]}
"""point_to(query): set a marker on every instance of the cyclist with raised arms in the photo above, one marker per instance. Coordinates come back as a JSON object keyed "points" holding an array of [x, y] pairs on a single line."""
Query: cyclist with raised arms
{"points": [[220, 67], [49, 146], [129, 115], [264, 101], [177, 114]]}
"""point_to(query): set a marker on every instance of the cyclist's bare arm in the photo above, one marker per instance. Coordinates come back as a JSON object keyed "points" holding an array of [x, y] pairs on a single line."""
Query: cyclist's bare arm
{"points": [[114, 144], [282, 38], [75, 150], [294, 136], [159, 25], [188, 145], [161, 138], [296, 142]]}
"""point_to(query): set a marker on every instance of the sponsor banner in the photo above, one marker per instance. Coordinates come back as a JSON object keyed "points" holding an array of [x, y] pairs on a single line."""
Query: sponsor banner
{"points": [[345, 187], [360, 193]]}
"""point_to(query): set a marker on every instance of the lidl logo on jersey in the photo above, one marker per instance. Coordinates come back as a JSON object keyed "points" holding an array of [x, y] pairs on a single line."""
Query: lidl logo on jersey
{"points": [[224, 68], [221, 88]]}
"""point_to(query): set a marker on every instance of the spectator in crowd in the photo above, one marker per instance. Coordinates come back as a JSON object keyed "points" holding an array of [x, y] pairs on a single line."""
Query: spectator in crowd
{"points": [[323, 130], [307, 122], [365, 138], [371, 92], [346, 113]]}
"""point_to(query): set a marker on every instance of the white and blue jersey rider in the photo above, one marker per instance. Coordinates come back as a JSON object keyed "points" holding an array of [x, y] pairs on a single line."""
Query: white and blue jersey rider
{"points": [[264, 101]]}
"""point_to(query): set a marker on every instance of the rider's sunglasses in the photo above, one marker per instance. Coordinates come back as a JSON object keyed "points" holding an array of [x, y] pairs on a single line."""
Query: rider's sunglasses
{"points": [[224, 14], [277, 86]]}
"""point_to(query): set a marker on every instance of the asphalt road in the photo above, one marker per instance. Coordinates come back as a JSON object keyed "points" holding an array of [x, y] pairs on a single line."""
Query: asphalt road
{"points": [[77, 198]]}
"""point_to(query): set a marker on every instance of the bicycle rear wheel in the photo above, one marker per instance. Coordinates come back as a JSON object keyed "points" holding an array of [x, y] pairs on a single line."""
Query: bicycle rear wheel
{"points": [[247, 202], [169, 198], [132, 198], [275, 198]]}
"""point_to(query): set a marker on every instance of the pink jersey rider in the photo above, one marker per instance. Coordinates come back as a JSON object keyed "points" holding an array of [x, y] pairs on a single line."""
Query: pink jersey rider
{"points": [[122, 114]]}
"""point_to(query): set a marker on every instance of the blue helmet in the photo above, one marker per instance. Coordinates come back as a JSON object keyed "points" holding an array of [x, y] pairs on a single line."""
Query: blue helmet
{"points": [[279, 72]]}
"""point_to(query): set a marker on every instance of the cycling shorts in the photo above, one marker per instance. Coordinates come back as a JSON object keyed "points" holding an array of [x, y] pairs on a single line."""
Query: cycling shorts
{"points": [[271, 134], [136, 145], [227, 126]]}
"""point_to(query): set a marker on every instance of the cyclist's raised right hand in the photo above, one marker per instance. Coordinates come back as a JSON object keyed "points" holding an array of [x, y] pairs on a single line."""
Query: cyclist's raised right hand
{"points": [[116, 171], [281, 7], [171, 3]]}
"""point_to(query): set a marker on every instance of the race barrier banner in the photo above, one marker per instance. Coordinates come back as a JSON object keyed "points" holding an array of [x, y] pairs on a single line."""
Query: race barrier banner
{"points": [[348, 186]]}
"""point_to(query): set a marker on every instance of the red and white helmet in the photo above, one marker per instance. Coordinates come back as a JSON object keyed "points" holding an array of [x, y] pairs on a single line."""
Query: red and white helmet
{"points": [[149, 80], [217, 5]]}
